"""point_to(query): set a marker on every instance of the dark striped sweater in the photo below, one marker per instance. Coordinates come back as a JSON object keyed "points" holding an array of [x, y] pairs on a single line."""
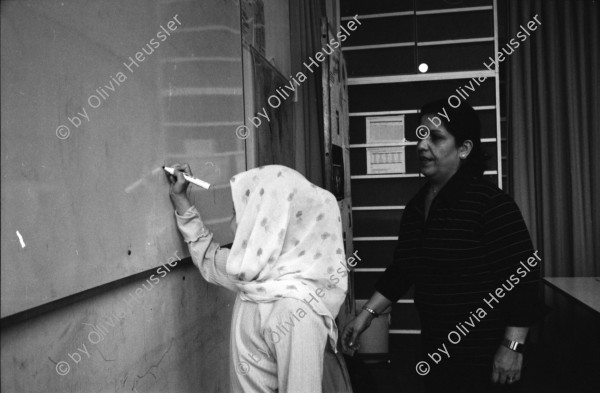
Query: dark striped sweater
{"points": [[471, 245]]}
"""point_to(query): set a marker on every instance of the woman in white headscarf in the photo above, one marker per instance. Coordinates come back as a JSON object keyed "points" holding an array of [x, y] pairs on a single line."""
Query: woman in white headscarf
{"points": [[287, 265]]}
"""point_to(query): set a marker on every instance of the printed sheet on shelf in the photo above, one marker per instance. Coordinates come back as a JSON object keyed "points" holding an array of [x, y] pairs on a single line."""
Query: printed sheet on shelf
{"points": [[384, 130]]}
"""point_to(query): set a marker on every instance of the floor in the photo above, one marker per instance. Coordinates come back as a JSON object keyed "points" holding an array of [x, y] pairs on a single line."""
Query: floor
{"points": [[549, 369], [383, 374]]}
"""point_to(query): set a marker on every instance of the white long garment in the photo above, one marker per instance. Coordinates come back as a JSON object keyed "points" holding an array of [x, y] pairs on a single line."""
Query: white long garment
{"points": [[277, 346], [288, 242], [207, 255]]}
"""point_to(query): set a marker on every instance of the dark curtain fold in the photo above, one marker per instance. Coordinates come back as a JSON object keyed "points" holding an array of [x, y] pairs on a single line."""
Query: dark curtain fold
{"points": [[554, 131], [305, 23]]}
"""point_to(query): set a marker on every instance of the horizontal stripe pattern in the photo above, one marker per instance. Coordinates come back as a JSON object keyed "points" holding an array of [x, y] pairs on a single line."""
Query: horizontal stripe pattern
{"points": [[472, 243]]}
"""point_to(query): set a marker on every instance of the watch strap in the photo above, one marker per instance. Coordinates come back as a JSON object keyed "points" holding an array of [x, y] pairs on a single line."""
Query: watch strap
{"points": [[513, 345], [371, 311]]}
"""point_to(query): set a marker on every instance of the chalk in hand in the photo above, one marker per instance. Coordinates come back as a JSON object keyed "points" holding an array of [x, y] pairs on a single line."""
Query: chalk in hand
{"points": [[191, 179]]}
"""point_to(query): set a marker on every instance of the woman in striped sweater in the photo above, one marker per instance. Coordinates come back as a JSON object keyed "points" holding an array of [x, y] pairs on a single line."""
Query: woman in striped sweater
{"points": [[462, 244]]}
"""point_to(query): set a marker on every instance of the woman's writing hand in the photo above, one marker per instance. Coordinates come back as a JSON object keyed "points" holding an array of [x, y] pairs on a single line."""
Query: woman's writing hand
{"points": [[507, 366], [354, 329], [178, 187]]}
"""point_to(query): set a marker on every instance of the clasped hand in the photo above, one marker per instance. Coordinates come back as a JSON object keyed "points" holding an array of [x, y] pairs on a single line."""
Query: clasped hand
{"points": [[507, 366]]}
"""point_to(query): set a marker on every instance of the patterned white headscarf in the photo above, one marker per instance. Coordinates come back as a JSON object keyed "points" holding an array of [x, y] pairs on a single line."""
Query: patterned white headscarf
{"points": [[288, 242]]}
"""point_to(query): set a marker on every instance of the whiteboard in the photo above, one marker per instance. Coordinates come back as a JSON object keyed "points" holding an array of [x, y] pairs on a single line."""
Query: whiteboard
{"points": [[87, 206]]}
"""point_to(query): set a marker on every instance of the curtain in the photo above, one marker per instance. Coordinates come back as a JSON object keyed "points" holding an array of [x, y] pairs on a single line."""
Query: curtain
{"points": [[305, 28], [553, 117]]}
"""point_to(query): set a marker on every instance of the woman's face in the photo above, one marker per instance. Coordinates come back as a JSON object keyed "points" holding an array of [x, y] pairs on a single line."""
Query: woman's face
{"points": [[438, 155]]}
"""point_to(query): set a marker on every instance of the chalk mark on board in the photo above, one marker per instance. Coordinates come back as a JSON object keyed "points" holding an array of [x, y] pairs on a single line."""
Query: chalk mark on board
{"points": [[21, 240], [214, 169], [131, 187], [137, 183]]}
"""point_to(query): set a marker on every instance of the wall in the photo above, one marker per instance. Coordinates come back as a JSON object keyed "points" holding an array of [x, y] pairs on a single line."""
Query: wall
{"points": [[173, 340], [175, 336]]}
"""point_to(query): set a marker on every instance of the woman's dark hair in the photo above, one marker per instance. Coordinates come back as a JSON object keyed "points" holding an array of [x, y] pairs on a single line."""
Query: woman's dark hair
{"points": [[463, 124]]}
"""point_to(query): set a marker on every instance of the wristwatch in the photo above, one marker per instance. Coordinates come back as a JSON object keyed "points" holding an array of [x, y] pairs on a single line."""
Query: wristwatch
{"points": [[371, 311], [513, 345]]}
